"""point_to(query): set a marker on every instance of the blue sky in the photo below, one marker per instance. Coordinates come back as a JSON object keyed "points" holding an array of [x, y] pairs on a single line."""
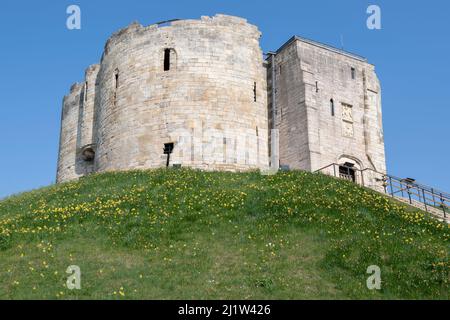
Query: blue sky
{"points": [[40, 59]]}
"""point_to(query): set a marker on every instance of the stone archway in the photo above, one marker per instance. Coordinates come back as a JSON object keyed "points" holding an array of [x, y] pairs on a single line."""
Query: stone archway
{"points": [[350, 168]]}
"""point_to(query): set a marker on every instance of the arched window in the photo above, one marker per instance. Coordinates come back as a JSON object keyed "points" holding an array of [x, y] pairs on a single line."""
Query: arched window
{"points": [[332, 107]]}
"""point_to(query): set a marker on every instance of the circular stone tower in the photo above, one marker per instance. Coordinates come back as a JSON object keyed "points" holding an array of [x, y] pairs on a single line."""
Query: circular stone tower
{"points": [[196, 88], [188, 92]]}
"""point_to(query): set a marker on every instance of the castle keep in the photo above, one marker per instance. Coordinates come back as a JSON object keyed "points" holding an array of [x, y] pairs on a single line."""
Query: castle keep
{"points": [[199, 93]]}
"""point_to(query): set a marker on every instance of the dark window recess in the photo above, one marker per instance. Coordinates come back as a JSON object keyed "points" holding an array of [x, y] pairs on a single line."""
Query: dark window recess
{"points": [[168, 149], [116, 85], [254, 92], [116, 79], [88, 154], [166, 59], [317, 86], [332, 107], [85, 91], [353, 73], [347, 172]]}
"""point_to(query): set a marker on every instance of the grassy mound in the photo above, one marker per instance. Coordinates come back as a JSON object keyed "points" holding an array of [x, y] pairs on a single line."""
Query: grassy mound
{"points": [[184, 234]]}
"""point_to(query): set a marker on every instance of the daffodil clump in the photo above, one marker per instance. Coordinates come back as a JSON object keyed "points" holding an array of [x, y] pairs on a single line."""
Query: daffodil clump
{"points": [[182, 234]]}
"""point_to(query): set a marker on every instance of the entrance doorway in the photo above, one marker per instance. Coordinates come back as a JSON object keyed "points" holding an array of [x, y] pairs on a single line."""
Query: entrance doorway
{"points": [[347, 171]]}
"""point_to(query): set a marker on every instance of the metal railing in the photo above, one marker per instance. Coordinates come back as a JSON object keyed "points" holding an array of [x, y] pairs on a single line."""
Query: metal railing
{"points": [[431, 199]]}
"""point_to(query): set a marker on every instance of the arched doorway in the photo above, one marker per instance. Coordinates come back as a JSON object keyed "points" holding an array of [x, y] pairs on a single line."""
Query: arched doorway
{"points": [[347, 172], [350, 168]]}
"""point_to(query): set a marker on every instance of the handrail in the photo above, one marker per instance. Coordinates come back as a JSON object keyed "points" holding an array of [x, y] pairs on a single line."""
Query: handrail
{"points": [[447, 195], [396, 187]]}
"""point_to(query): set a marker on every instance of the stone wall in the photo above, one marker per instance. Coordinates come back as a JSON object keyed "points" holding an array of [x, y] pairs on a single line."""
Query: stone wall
{"points": [[67, 158], [85, 142], [204, 104], [310, 78], [290, 114], [212, 103], [203, 86]]}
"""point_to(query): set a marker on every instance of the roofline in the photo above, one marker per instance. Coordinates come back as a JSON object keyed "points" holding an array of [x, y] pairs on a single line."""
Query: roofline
{"points": [[323, 46]]}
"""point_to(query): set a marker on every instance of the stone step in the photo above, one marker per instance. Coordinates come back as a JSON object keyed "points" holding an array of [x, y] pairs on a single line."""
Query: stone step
{"points": [[435, 212]]}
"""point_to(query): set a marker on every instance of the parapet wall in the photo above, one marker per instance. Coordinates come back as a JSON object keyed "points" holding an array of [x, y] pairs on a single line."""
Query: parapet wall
{"points": [[68, 135]]}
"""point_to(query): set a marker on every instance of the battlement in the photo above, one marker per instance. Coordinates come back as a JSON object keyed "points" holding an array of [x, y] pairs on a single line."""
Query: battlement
{"points": [[136, 29]]}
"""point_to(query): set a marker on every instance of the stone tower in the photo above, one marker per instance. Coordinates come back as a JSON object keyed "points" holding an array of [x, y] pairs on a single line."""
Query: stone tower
{"points": [[196, 88], [198, 93], [326, 104]]}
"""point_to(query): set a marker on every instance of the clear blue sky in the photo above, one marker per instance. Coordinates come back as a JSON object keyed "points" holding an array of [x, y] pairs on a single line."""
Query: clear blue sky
{"points": [[40, 59]]}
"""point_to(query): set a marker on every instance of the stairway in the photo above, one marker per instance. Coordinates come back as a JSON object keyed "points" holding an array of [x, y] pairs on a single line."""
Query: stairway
{"points": [[435, 212], [431, 200]]}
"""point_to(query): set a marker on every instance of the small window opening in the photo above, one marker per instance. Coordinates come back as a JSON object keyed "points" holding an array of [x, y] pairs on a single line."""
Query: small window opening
{"points": [[117, 79], [116, 86], [254, 92], [317, 86], [166, 59], [88, 154], [353, 73], [168, 149], [85, 91], [332, 107]]}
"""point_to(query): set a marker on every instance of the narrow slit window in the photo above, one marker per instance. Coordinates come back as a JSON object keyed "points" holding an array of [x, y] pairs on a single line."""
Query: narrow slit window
{"points": [[116, 78], [166, 59], [332, 107], [116, 86], [317, 86], [85, 91], [254, 92], [353, 70]]}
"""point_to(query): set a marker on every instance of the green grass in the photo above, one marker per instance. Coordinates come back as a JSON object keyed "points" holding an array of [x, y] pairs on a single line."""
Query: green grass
{"points": [[185, 234]]}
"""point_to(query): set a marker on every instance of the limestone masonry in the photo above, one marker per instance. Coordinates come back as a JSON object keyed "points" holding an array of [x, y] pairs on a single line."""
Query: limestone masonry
{"points": [[201, 94]]}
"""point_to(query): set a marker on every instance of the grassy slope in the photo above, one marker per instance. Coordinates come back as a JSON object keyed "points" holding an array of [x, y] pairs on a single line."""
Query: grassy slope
{"points": [[182, 234]]}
